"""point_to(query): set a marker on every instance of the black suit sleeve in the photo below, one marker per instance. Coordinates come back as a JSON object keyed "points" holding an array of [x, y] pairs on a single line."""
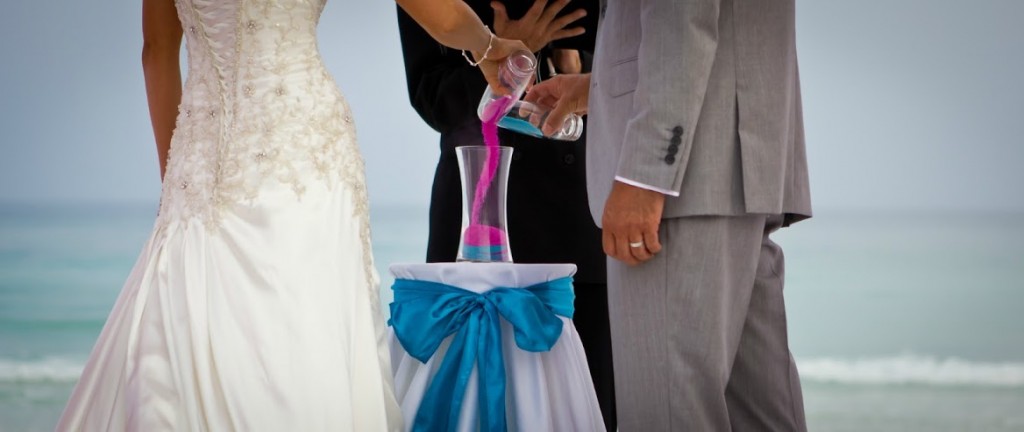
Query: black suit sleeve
{"points": [[443, 88]]}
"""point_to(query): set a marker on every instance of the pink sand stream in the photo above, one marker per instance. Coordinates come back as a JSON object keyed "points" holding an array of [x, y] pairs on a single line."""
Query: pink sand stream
{"points": [[478, 234]]}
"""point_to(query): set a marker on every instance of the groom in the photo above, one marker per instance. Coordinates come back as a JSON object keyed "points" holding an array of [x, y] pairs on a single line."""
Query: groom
{"points": [[696, 155]]}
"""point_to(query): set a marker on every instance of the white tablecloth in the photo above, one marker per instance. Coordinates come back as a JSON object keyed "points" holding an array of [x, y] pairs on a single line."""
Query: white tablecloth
{"points": [[547, 391]]}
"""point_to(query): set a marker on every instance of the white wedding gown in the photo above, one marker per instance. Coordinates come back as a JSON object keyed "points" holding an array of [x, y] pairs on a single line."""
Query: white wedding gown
{"points": [[254, 305]]}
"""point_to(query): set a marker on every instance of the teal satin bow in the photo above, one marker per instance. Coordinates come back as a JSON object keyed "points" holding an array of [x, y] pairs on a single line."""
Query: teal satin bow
{"points": [[423, 314]]}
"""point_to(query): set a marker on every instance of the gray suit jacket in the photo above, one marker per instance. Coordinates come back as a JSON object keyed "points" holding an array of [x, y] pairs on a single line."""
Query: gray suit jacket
{"points": [[699, 97]]}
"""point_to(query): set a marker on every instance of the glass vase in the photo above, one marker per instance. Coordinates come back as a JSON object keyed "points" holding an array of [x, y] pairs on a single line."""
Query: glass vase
{"points": [[484, 173]]}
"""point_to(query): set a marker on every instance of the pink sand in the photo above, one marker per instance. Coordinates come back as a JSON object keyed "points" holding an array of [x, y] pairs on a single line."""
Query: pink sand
{"points": [[484, 235], [476, 232]]}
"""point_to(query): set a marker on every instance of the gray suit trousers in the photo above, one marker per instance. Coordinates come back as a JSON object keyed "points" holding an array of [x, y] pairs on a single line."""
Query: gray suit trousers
{"points": [[699, 331]]}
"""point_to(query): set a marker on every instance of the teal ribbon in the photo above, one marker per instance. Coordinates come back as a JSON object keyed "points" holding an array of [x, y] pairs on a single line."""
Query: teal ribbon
{"points": [[423, 314]]}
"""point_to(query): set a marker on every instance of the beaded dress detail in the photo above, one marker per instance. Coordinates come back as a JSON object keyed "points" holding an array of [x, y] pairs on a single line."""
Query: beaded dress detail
{"points": [[254, 305], [258, 107]]}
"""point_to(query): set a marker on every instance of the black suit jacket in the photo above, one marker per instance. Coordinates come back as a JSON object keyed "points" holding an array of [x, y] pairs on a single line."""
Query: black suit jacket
{"points": [[548, 216]]}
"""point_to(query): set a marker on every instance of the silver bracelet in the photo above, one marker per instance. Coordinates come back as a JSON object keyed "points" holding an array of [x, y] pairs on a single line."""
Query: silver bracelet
{"points": [[490, 44]]}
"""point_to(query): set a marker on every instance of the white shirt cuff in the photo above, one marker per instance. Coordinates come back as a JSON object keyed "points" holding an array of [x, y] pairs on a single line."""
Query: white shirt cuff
{"points": [[648, 187]]}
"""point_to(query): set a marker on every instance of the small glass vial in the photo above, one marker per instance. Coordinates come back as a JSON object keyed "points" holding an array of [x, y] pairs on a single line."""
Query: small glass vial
{"points": [[515, 75], [528, 118]]}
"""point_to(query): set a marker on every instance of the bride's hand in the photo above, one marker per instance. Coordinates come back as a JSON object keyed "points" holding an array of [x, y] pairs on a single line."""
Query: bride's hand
{"points": [[500, 49], [540, 25]]}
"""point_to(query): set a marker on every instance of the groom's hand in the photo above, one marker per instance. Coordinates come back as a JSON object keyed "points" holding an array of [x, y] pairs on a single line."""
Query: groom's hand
{"points": [[566, 94], [631, 219]]}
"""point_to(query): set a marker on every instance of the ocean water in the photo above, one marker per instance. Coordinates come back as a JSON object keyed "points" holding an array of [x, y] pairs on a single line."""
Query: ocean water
{"points": [[899, 322]]}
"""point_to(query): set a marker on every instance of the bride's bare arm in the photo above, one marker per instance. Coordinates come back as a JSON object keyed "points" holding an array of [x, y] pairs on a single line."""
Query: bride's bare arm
{"points": [[453, 23], [161, 47]]}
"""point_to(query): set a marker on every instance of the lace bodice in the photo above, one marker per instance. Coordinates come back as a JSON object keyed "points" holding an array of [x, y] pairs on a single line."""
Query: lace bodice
{"points": [[258, 106]]}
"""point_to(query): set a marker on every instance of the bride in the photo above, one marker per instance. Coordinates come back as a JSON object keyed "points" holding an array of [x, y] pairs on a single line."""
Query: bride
{"points": [[254, 304]]}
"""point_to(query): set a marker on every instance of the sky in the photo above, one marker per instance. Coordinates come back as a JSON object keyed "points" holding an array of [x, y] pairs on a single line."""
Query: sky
{"points": [[909, 104]]}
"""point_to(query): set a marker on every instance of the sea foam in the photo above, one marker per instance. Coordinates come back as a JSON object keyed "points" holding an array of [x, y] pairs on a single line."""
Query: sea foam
{"points": [[892, 370], [912, 369], [50, 369]]}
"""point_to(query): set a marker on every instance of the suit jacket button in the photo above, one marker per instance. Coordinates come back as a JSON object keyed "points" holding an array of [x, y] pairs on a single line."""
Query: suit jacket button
{"points": [[569, 159], [673, 148], [677, 131], [670, 159]]}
